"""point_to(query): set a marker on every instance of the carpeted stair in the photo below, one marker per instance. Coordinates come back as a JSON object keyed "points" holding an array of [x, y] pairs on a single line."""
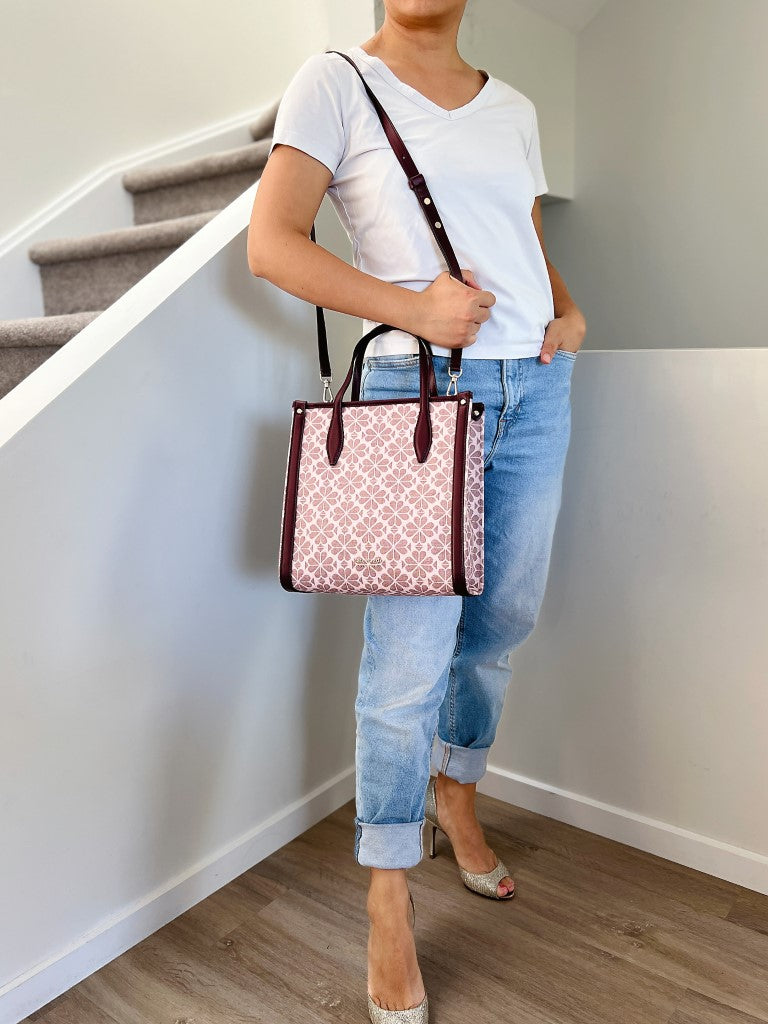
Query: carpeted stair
{"points": [[83, 276]]}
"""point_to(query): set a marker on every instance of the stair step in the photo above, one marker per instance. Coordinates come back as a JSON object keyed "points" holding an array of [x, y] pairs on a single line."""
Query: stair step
{"points": [[262, 127], [205, 183], [92, 272], [157, 235], [18, 363], [83, 276], [251, 157], [46, 331]]}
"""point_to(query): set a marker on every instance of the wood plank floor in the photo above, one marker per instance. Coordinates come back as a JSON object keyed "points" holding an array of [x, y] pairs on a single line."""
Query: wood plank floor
{"points": [[598, 933]]}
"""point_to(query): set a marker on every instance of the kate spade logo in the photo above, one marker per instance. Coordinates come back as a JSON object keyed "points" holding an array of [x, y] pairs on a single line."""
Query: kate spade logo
{"points": [[368, 560]]}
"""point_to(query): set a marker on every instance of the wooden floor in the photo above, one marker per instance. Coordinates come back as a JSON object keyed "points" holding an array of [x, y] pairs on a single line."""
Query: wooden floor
{"points": [[598, 933]]}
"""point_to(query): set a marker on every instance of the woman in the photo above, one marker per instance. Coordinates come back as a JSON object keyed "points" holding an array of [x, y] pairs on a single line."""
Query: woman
{"points": [[434, 670]]}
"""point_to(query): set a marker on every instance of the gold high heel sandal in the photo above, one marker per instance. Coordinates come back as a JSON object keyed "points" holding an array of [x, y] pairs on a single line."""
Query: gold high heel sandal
{"points": [[413, 1015], [486, 883]]}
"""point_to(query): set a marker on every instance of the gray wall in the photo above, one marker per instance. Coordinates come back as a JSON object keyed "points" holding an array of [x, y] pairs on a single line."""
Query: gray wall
{"points": [[664, 246]]}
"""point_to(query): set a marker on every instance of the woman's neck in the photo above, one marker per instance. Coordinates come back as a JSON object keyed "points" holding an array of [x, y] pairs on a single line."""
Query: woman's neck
{"points": [[427, 47]]}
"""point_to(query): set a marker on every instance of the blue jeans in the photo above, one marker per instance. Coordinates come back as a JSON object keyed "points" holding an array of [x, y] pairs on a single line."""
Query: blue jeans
{"points": [[434, 670]]}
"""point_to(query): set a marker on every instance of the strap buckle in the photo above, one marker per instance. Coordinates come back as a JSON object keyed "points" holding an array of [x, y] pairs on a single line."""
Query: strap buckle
{"points": [[327, 393], [417, 181], [454, 377]]}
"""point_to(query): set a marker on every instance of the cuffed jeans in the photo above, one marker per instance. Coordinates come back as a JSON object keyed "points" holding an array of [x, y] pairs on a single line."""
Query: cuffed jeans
{"points": [[434, 670]]}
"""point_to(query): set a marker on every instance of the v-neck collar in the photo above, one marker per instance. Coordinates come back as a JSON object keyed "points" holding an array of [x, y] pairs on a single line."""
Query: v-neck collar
{"points": [[384, 71]]}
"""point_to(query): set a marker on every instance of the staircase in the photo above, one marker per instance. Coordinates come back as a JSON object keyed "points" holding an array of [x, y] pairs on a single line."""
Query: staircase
{"points": [[82, 276]]}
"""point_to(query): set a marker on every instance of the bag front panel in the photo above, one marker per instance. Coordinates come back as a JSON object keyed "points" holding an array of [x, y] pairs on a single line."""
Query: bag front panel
{"points": [[378, 521]]}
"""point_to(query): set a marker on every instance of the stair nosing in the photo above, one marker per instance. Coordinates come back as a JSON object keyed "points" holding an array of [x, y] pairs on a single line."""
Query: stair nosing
{"points": [[252, 156], [158, 234], [29, 324]]}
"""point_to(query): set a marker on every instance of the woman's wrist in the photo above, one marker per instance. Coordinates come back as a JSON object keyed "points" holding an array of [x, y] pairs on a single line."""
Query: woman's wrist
{"points": [[575, 320], [408, 313]]}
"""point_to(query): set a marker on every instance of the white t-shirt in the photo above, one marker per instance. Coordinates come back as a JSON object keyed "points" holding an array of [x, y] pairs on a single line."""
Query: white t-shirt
{"points": [[482, 164]]}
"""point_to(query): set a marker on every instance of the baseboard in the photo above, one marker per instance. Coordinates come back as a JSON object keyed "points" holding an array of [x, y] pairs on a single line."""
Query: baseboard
{"points": [[731, 863], [109, 939]]}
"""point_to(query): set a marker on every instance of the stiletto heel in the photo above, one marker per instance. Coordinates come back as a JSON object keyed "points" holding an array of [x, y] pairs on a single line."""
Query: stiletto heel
{"points": [[418, 1014], [486, 883]]}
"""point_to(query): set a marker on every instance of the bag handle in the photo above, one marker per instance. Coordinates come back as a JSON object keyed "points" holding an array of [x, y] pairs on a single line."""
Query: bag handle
{"points": [[422, 432], [418, 184]]}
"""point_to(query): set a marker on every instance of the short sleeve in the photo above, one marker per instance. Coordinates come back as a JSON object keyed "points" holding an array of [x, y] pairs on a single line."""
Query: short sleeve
{"points": [[309, 114], [534, 157]]}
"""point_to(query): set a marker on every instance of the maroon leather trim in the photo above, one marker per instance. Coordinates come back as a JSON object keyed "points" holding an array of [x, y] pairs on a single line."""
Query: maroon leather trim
{"points": [[397, 401], [422, 435], [289, 498], [457, 511]]}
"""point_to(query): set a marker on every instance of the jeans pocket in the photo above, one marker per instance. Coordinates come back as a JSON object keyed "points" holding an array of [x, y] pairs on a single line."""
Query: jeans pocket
{"points": [[394, 361], [390, 376], [566, 354]]}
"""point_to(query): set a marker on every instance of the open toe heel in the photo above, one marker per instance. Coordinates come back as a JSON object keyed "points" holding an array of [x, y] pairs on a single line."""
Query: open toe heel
{"points": [[418, 1014], [487, 882]]}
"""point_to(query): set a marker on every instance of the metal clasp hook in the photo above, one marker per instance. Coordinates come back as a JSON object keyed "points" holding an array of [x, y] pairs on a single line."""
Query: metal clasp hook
{"points": [[327, 393], [454, 377]]}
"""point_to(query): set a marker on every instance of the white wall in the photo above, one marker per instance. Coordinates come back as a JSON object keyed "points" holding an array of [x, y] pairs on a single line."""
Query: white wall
{"points": [[665, 245], [349, 22], [638, 706], [87, 84], [170, 715]]}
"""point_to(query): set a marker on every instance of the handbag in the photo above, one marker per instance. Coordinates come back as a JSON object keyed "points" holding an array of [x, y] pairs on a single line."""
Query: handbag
{"points": [[385, 496]]}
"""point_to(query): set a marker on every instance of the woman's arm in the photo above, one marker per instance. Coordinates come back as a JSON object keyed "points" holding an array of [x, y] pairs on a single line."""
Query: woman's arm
{"points": [[279, 249], [568, 328]]}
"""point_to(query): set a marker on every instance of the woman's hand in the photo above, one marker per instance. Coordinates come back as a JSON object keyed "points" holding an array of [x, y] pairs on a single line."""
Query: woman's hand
{"points": [[450, 313], [566, 332]]}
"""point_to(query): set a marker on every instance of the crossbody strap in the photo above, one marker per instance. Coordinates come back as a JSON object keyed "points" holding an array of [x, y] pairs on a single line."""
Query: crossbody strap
{"points": [[429, 209]]}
